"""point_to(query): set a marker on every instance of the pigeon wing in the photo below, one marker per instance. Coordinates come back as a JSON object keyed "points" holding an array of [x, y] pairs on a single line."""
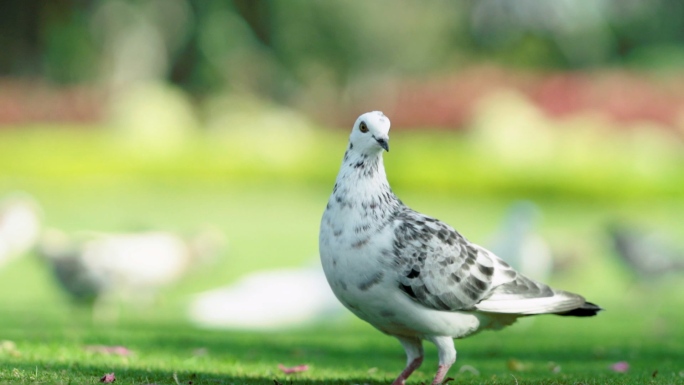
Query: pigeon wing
{"points": [[437, 266], [442, 270], [521, 295]]}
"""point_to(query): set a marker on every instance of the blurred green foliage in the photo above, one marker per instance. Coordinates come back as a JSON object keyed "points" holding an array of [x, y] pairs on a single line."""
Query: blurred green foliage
{"points": [[272, 47], [585, 164]]}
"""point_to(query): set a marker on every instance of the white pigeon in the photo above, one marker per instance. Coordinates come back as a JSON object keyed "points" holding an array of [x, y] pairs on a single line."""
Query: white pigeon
{"points": [[266, 300], [20, 225], [129, 266], [410, 275]]}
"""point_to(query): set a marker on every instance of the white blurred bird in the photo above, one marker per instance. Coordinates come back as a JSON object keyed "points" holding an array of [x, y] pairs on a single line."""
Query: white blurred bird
{"points": [[20, 226], [101, 267], [410, 275], [519, 245], [271, 299]]}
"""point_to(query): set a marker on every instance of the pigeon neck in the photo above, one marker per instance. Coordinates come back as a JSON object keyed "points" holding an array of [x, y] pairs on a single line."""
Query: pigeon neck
{"points": [[362, 170], [362, 186]]}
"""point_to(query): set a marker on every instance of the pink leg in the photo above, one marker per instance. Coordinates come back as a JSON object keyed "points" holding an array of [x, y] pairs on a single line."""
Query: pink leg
{"points": [[447, 357], [441, 373], [414, 357], [407, 372]]}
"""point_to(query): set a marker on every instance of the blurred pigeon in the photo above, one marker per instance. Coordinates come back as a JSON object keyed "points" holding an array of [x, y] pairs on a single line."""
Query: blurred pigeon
{"points": [[20, 225], [520, 246], [268, 299], [410, 275], [648, 254], [131, 266]]}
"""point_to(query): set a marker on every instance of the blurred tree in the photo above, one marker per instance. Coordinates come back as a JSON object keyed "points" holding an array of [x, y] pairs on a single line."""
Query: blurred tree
{"points": [[20, 25], [259, 15], [271, 47], [46, 39]]}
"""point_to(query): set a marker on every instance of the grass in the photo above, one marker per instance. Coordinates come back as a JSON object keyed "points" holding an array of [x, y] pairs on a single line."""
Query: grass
{"points": [[50, 349], [275, 224]]}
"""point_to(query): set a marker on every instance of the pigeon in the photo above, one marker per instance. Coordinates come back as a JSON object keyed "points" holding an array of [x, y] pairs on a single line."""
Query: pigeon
{"points": [[649, 254], [94, 268], [267, 300], [412, 276]]}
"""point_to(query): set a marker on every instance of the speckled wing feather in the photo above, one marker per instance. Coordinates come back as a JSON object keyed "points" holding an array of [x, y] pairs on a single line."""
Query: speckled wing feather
{"points": [[442, 270], [439, 268], [522, 295]]}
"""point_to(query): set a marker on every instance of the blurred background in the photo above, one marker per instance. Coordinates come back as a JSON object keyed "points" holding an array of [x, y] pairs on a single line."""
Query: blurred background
{"points": [[200, 140]]}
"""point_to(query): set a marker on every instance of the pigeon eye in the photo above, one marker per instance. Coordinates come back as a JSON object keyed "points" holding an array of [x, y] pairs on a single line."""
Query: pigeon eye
{"points": [[363, 127]]}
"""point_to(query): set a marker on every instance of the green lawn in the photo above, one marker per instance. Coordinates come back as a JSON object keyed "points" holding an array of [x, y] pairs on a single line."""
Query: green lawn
{"points": [[276, 225]]}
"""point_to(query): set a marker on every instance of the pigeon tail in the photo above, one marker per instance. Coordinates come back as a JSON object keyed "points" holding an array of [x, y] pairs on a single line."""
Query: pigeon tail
{"points": [[587, 310]]}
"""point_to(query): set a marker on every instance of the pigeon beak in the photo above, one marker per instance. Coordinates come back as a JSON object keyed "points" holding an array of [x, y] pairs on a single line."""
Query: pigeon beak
{"points": [[384, 143]]}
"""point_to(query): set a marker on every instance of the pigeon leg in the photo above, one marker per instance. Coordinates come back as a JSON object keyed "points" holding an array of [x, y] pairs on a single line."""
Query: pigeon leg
{"points": [[447, 356], [414, 357]]}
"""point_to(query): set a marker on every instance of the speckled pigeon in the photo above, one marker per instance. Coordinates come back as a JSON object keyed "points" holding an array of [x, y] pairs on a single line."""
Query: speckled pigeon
{"points": [[410, 275]]}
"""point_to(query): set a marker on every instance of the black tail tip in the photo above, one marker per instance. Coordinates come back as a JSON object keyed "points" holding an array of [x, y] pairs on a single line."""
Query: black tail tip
{"points": [[587, 310]]}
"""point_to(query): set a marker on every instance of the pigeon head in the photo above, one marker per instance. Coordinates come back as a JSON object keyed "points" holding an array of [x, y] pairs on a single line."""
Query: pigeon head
{"points": [[370, 134]]}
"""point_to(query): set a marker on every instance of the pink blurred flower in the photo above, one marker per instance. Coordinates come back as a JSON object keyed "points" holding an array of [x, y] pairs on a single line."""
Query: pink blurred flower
{"points": [[620, 367], [294, 369], [115, 350]]}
